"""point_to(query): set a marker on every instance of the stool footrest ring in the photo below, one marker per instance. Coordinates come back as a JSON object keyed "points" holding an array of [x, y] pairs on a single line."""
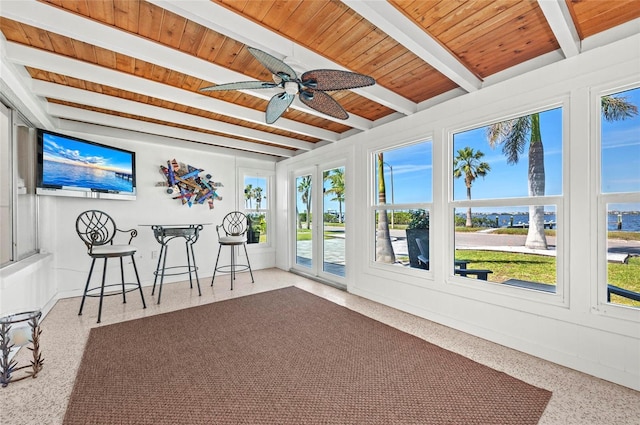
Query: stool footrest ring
{"points": [[189, 270], [128, 287], [233, 268]]}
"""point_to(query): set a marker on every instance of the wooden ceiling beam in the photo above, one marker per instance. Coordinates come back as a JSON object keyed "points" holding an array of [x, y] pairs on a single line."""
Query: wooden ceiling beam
{"points": [[70, 94], [78, 28], [228, 23], [92, 117], [24, 55], [559, 19], [390, 20], [155, 135], [18, 82]]}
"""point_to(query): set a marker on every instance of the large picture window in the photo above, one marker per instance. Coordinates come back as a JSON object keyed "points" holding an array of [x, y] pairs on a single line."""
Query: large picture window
{"points": [[507, 198], [403, 197], [620, 195]]}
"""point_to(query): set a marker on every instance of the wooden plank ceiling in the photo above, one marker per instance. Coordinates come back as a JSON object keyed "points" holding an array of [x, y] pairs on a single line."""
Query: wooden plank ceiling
{"points": [[138, 65]]}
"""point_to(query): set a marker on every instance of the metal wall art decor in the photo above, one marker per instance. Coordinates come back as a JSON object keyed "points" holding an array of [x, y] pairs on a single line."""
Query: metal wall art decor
{"points": [[185, 183], [13, 336]]}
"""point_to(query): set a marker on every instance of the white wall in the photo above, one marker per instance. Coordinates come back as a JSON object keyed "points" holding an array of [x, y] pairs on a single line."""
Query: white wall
{"points": [[572, 328], [62, 268], [575, 330]]}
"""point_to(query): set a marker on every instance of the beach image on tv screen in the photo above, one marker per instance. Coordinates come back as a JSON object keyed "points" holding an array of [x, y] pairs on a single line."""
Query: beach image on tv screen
{"points": [[74, 164]]}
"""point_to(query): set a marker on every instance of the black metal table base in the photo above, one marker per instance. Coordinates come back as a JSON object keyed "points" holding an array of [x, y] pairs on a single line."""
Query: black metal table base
{"points": [[165, 234]]}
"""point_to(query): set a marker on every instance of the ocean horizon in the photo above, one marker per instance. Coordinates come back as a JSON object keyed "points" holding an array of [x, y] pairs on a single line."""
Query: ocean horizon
{"points": [[630, 219]]}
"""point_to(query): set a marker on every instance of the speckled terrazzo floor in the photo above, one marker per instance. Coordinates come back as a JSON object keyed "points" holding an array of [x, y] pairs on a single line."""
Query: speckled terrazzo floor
{"points": [[577, 398]]}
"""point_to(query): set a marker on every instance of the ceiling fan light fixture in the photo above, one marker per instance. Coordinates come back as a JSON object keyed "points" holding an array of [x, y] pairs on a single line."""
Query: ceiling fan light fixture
{"points": [[291, 87]]}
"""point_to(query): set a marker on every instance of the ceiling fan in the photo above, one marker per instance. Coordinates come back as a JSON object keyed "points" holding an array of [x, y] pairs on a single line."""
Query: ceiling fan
{"points": [[310, 87]]}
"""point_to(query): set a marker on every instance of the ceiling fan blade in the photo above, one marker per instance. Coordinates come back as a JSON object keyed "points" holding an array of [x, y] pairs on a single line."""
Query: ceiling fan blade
{"points": [[322, 102], [332, 79], [243, 85], [277, 105], [273, 64]]}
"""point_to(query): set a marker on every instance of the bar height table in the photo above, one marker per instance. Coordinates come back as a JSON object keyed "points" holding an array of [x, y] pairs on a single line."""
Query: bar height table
{"points": [[164, 233]]}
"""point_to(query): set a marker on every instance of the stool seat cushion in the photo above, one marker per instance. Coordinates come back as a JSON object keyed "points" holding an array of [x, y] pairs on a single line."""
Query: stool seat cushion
{"points": [[113, 250], [232, 239]]}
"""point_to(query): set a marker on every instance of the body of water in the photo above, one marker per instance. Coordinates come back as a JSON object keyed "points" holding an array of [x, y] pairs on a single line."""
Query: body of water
{"points": [[630, 221], [61, 174]]}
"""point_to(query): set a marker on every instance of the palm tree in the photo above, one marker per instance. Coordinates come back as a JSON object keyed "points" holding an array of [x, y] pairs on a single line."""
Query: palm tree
{"points": [[384, 248], [304, 187], [248, 195], [336, 176], [467, 163], [257, 194], [512, 135]]}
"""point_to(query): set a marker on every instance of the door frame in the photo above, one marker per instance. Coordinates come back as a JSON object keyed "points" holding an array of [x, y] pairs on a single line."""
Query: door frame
{"points": [[317, 205]]}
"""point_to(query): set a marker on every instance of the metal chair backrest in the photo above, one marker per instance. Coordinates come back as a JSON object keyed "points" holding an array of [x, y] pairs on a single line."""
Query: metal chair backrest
{"points": [[234, 224], [95, 228]]}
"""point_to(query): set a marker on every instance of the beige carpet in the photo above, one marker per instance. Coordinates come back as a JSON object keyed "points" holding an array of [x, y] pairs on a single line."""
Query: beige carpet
{"points": [[285, 357]]}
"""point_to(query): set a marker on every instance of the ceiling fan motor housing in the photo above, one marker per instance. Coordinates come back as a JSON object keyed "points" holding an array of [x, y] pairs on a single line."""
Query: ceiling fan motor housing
{"points": [[291, 87]]}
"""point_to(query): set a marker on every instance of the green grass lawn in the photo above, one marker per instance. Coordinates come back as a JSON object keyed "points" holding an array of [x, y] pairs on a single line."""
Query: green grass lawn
{"points": [[535, 268], [626, 236], [305, 234], [538, 268], [511, 265]]}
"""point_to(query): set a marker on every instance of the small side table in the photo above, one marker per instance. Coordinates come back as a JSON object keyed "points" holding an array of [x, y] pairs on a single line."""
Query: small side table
{"points": [[9, 340]]}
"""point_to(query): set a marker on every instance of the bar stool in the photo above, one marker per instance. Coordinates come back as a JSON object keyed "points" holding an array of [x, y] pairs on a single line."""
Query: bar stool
{"points": [[234, 225], [97, 230]]}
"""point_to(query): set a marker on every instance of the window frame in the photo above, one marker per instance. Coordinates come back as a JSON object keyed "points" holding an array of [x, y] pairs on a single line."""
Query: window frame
{"points": [[560, 203], [373, 207], [20, 249], [599, 303], [269, 175]]}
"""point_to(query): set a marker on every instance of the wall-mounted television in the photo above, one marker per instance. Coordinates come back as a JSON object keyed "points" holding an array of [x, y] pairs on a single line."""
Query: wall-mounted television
{"points": [[69, 166]]}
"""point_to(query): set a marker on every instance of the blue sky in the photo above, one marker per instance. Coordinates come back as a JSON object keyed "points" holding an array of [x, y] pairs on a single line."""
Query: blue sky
{"points": [[70, 151], [621, 151], [255, 182], [412, 172], [509, 181]]}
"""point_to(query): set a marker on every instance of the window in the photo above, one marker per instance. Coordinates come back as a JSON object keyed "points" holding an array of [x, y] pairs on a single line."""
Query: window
{"points": [[18, 206], [402, 198], [256, 207], [507, 198], [6, 193], [620, 195]]}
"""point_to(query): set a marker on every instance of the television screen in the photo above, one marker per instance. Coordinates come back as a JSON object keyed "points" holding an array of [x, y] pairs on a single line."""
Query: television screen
{"points": [[69, 166]]}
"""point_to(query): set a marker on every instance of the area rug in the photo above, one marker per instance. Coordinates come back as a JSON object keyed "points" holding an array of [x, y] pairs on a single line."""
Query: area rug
{"points": [[285, 357]]}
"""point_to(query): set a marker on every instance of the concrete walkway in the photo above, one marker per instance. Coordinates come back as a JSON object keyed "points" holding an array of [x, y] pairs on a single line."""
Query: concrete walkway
{"points": [[619, 250]]}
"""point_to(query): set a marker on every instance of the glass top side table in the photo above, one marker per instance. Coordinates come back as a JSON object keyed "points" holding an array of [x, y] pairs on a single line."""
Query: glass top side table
{"points": [[12, 337]]}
